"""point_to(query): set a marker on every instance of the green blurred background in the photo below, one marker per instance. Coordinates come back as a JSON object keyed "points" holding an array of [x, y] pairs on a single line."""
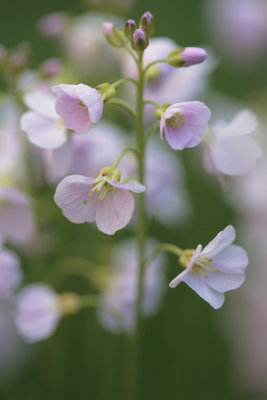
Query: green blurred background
{"points": [[185, 352]]}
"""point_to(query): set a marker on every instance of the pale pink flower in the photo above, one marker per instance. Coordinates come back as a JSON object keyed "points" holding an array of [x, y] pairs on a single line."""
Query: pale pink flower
{"points": [[38, 312], [10, 273], [219, 267], [42, 124], [79, 106], [109, 203], [16, 215], [184, 124], [118, 298], [230, 149]]}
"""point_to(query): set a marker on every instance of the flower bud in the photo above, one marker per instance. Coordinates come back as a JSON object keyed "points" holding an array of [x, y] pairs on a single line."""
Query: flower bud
{"points": [[159, 111], [129, 29], [140, 41], [186, 56], [50, 67], [147, 20], [114, 35], [106, 91]]}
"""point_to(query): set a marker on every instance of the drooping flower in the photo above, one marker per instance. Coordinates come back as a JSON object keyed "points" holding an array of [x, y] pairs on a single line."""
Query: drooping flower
{"points": [[119, 295], [16, 216], [219, 267], [104, 199], [10, 273], [229, 149], [79, 106], [184, 124], [39, 310], [42, 124]]}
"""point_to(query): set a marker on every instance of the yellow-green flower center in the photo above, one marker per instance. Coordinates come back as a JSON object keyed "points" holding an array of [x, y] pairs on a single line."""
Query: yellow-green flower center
{"points": [[178, 119], [101, 185]]}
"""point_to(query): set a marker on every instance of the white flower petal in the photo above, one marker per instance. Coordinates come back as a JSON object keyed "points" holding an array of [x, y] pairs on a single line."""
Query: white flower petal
{"points": [[235, 155], [42, 102], [198, 283], [244, 123], [133, 186], [223, 239], [43, 131]]}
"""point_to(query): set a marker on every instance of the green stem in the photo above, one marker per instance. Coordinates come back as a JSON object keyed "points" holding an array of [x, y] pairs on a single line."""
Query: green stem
{"points": [[154, 103], [88, 301], [133, 347], [123, 104], [123, 80], [171, 248], [132, 55], [118, 159], [163, 60]]}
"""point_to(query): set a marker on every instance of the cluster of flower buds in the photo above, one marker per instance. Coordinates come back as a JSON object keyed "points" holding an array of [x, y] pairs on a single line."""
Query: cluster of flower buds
{"points": [[138, 35]]}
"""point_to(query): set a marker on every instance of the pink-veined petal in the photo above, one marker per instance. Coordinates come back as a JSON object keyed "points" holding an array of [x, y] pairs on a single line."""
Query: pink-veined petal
{"points": [[72, 196], [115, 211], [74, 115], [93, 101]]}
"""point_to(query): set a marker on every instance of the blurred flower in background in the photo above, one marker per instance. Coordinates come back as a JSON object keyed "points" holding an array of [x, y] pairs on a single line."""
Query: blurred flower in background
{"points": [[238, 28]]}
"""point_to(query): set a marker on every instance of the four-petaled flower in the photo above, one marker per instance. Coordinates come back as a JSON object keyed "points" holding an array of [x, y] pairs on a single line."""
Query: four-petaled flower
{"points": [[219, 267], [184, 124], [104, 199], [79, 106]]}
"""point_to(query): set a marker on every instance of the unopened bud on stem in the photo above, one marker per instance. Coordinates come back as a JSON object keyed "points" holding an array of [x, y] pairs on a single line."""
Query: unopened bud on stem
{"points": [[130, 28], [114, 35], [140, 41], [147, 20], [186, 56]]}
